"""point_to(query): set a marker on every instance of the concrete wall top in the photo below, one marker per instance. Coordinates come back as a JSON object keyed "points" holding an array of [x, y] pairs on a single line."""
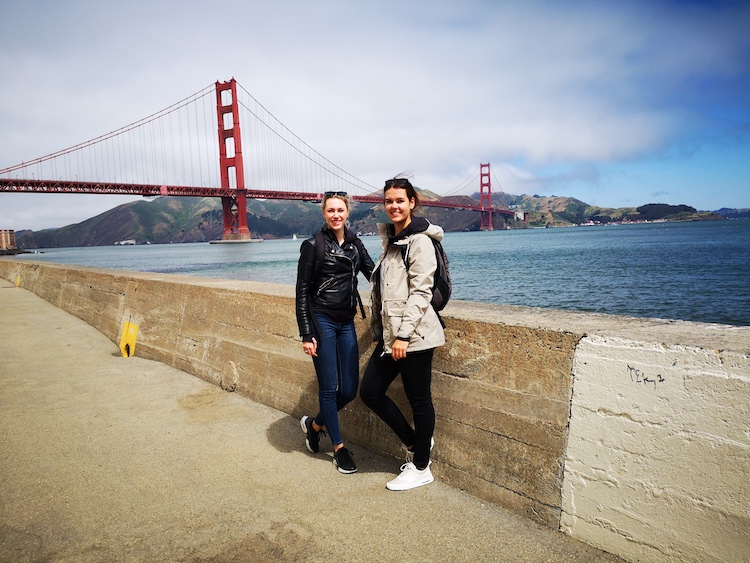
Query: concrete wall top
{"points": [[664, 331]]}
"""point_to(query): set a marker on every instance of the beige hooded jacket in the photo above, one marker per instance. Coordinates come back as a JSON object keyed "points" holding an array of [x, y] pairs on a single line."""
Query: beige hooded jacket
{"points": [[400, 297]]}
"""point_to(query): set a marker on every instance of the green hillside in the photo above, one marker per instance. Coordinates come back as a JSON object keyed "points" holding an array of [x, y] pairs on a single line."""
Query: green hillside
{"points": [[186, 219], [554, 211]]}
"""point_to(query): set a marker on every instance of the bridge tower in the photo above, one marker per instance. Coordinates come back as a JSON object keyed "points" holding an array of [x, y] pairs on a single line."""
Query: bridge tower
{"points": [[485, 197], [234, 207]]}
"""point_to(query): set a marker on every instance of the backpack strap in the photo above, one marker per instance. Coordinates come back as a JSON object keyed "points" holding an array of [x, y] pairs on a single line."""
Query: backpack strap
{"points": [[360, 251], [405, 251], [405, 256], [360, 247], [320, 248]]}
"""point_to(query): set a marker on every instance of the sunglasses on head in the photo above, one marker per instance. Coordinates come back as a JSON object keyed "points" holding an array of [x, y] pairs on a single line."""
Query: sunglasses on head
{"points": [[335, 194], [396, 182]]}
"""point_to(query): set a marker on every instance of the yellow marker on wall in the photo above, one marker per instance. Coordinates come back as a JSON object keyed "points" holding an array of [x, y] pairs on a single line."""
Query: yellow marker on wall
{"points": [[127, 340], [18, 280]]}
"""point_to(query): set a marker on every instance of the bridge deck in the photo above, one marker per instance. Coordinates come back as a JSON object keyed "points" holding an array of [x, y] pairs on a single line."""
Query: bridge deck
{"points": [[148, 190]]}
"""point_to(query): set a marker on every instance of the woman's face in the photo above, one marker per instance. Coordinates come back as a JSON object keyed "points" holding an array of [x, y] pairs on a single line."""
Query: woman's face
{"points": [[398, 206], [335, 213]]}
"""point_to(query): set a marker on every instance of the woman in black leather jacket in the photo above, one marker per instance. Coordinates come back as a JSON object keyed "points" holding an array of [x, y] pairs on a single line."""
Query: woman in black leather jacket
{"points": [[326, 304]]}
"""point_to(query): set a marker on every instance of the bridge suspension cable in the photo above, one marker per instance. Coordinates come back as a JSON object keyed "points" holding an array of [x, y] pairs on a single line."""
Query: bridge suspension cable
{"points": [[177, 146], [135, 152], [174, 152], [323, 174], [471, 179]]}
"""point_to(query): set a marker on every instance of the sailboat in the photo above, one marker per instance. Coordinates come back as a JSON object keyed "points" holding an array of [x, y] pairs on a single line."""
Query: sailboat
{"points": [[294, 237]]}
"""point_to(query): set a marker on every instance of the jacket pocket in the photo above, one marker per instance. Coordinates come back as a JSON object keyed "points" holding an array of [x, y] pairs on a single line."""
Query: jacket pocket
{"points": [[394, 308], [393, 312]]}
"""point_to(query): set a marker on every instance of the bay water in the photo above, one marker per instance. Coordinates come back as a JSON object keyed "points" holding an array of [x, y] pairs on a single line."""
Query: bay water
{"points": [[694, 271]]}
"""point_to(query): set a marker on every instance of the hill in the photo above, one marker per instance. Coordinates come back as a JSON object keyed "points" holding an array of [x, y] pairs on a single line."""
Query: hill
{"points": [[167, 219], [555, 211], [185, 219], [734, 213]]}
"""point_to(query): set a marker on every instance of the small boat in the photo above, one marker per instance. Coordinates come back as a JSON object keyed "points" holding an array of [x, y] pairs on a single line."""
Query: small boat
{"points": [[294, 237]]}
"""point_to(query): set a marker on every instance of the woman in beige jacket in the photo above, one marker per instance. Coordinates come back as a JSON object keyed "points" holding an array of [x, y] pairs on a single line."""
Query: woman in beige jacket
{"points": [[406, 328]]}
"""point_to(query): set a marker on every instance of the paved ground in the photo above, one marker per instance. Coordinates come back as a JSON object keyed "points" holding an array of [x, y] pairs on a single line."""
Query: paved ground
{"points": [[104, 458]]}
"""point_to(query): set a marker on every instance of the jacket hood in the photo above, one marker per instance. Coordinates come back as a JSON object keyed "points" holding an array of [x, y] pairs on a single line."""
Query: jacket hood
{"points": [[417, 225]]}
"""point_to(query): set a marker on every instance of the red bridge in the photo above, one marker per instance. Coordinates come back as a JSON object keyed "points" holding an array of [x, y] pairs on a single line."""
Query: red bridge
{"points": [[174, 143]]}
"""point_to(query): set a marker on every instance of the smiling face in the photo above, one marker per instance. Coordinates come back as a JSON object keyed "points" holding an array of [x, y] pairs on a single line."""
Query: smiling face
{"points": [[398, 207], [335, 212]]}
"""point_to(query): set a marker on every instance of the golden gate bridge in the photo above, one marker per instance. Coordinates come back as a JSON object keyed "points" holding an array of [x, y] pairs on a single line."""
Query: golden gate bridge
{"points": [[177, 146]]}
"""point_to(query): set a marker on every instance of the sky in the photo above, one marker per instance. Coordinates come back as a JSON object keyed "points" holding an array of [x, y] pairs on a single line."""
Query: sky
{"points": [[613, 103]]}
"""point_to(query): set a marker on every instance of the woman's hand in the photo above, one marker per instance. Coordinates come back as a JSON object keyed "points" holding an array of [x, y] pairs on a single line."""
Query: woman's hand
{"points": [[398, 350], [311, 348]]}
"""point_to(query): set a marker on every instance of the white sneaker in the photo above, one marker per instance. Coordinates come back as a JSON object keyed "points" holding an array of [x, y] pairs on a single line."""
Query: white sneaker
{"points": [[410, 478]]}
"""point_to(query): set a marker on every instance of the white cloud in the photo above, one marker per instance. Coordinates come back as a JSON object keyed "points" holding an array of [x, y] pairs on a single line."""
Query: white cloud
{"points": [[435, 87]]}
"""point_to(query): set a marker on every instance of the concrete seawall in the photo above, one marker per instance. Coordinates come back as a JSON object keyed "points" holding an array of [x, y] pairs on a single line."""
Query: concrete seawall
{"points": [[630, 434]]}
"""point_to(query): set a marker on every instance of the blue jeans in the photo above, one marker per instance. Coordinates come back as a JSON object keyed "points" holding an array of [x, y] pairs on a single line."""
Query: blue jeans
{"points": [[337, 368]]}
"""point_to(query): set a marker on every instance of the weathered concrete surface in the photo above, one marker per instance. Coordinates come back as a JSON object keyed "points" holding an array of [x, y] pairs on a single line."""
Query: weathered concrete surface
{"points": [[538, 411], [658, 451], [658, 457], [105, 458], [503, 389]]}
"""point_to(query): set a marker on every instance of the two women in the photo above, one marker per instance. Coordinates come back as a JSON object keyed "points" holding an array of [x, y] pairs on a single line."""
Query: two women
{"points": [[405, 326], [326, 304]]}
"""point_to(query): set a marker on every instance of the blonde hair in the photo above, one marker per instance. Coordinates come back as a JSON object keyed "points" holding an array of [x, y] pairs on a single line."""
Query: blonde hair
{"points": [[335, 195]]}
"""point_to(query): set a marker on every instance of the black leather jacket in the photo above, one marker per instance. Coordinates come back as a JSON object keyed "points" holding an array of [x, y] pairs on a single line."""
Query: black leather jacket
{"points": [[334, 292]]}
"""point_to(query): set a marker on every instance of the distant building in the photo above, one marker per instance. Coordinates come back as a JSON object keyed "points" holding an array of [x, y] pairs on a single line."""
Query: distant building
{"points": [[7, 239]]}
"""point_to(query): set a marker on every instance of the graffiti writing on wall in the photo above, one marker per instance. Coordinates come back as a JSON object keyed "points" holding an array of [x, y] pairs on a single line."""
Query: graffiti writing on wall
{"points": [[639, 376]]}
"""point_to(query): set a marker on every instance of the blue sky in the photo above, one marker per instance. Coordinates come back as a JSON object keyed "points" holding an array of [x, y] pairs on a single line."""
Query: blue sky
{"points": [[613, 103]]}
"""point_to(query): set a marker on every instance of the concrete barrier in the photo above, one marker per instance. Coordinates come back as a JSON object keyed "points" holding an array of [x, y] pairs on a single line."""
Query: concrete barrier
{"points": [[629, 434], [658, 457]]}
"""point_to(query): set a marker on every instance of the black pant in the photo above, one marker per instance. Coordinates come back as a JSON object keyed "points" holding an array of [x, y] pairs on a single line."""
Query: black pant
{"points": [[416, 375]]}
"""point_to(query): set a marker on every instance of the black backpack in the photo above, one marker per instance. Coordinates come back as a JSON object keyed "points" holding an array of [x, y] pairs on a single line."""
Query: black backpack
{"points": [[442, 287]]}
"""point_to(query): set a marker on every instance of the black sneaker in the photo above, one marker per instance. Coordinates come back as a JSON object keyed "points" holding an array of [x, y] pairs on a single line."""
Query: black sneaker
{"points": [[342, 459], [312, 441]]}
